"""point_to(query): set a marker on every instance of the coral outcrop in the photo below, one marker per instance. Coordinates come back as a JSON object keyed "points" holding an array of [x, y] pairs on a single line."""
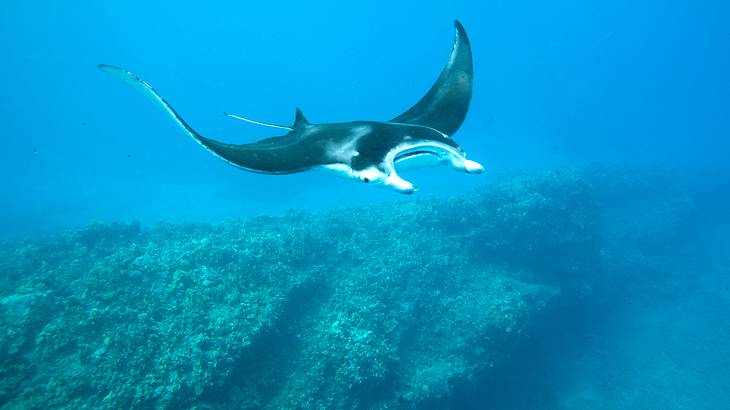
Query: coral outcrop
{"points": [[389, 306]]}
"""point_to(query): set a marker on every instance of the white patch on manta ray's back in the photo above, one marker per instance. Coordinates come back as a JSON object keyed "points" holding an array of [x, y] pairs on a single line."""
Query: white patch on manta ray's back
{"points": [[345, 151]]}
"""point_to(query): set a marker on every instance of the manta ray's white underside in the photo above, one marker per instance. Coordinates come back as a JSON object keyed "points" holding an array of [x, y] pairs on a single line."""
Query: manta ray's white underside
{"points": [[405, 157]]}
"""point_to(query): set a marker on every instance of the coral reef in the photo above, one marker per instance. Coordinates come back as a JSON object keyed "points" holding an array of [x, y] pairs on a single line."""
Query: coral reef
{"points": [[381, 307]]}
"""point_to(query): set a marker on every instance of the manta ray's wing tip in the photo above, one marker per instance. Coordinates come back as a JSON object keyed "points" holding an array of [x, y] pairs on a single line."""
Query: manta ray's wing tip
{"points": [[459, 27], [115, 71], [107, 68], [460, 31]]}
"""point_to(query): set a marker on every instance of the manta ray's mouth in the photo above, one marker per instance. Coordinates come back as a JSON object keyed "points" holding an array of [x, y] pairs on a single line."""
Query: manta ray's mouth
{"points": [[429, 153], [412, 154], [423, 154]]}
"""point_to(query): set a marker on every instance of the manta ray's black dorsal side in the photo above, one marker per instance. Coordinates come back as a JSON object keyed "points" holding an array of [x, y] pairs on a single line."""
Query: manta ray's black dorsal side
{"points": [[445, 105]]}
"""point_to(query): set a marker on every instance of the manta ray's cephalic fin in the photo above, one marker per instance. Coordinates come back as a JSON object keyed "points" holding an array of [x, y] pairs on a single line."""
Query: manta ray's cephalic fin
{"points": [[445, 105]]}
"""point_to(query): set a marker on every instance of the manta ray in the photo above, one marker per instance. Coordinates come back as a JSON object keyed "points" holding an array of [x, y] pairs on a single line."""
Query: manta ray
{"points": [[368, 151]]}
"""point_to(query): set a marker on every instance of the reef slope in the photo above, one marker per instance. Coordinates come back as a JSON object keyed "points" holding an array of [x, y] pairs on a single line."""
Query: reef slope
{"points": [[379, 307]]}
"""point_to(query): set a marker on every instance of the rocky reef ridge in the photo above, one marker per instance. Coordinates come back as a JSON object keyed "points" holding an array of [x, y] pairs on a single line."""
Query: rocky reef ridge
{"points": [[381, 307]]}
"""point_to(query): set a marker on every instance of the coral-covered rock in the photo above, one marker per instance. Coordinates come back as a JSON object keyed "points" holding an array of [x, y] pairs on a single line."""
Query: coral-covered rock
{"points": [[389, 306]]}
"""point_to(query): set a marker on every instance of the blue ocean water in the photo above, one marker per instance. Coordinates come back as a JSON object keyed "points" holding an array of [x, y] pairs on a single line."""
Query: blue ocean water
{"points": [[563, 83], [640, 88]]}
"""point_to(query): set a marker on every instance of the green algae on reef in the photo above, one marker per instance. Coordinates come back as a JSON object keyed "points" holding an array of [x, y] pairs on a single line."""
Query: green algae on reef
{"points": [[380, 307]]}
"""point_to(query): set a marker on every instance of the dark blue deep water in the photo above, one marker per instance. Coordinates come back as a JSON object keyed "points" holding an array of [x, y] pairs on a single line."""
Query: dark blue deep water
{"points": [[588, 267]]}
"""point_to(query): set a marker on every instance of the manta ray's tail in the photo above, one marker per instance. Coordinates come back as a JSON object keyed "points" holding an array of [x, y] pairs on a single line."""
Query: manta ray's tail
{"points": [[152, 95]]}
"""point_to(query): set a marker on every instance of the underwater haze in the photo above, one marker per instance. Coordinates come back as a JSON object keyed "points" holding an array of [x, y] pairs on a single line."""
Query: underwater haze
{"points": [[588, 267], [555, 84]]}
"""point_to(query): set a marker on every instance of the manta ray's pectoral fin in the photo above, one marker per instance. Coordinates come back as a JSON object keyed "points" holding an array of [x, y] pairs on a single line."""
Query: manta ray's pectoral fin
{"points": [[149, 92], [445, 105], [268, 156]]}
